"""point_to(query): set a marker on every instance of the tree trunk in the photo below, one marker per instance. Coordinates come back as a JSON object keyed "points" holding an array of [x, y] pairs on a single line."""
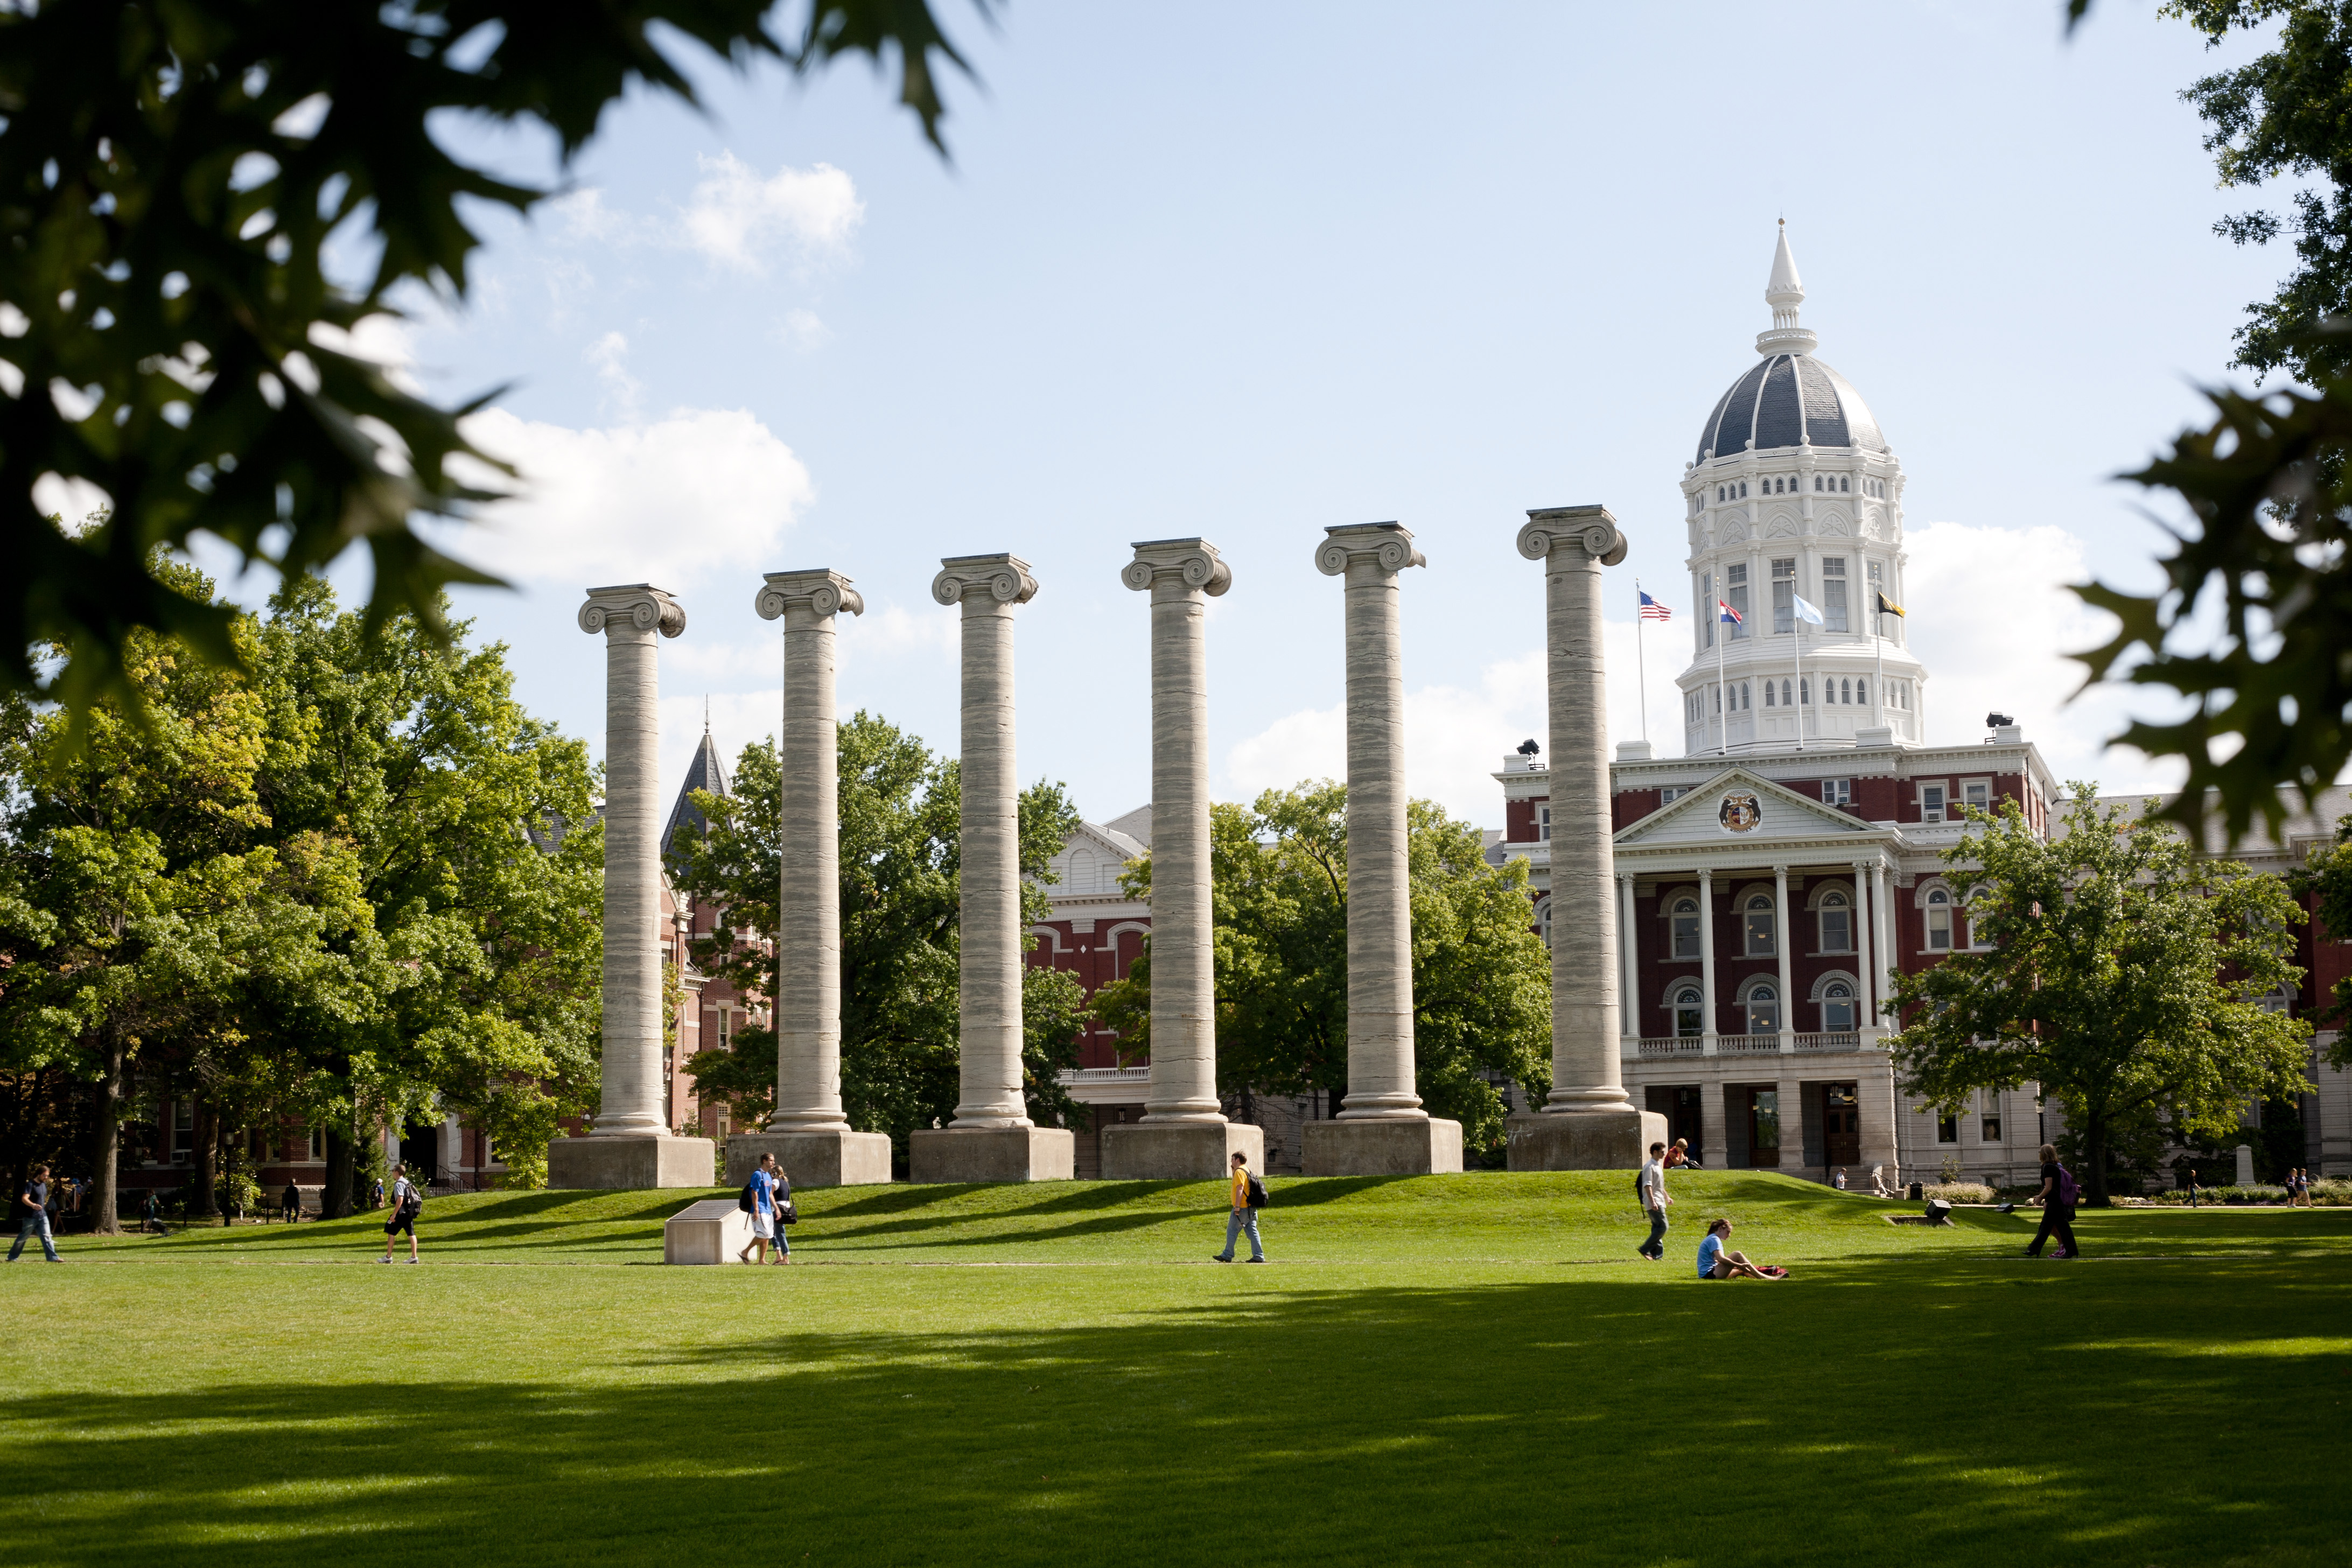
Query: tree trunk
{"points": [[106, 1143], [2094, 1146], [202, 1205], [335, 1198]]}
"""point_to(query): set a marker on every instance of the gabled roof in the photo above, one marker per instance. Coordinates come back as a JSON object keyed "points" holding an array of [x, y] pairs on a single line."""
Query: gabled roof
{"points": [[1697, 818], [705, 772]]}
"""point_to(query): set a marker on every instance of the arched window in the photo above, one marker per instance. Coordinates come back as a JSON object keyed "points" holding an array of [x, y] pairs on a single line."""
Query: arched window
{"points": [[1763, 1010], [1767, 694], [1939, 921], [1845, 692], [1845, 484], [1747, 697], [1756, 926], [1684, 921], [1977, 939], [1690, 1011], [1805, 691], [1837, 923], [1837, 1007], [1861, 692], [1543, 920], [1743, 489]]}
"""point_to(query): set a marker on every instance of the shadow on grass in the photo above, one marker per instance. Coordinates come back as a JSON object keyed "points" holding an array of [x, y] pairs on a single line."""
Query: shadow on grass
{"points": [[1584, 1421]]}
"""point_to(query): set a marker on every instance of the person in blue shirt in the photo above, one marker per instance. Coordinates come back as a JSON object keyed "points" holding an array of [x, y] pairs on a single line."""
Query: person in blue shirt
{"points": [[1717, 1263], [768, 1185]]}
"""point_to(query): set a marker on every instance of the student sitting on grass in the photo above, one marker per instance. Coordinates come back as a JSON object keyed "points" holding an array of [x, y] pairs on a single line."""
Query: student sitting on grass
{"points": [[1715, 1263]]}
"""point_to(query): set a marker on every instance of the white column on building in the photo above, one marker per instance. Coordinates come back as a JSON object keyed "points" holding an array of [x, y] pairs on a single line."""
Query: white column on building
{"points": [[631, 1144], [1780, 944], [1629, 992], [1885, 954], [1865, 911], [1707, 953], [1380, 1127], [992, 1137], [1183, 1133]]}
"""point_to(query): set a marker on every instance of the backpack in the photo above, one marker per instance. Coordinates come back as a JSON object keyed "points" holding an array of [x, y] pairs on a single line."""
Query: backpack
{"points": [[2069, 1192], [413, 1204], [746, 1202], [1257, 1195]]}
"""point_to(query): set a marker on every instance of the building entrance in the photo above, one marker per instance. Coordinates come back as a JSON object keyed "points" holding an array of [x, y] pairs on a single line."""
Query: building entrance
{"points": [[420, 1141], [1678, 1104], [1763, 1128], [1840, 1124]]}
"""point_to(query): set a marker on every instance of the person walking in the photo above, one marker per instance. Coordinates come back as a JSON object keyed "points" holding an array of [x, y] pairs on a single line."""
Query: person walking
{"points": [[150, 1212], [375, 1189], [33, 1216], [762, 1189], [292, 1202], [407, 1203], [2057, 1199], [1249, 1196], [1651, 1188]]}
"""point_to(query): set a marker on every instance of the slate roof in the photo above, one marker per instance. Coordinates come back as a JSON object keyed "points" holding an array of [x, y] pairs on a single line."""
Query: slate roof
{"points": [[705, 772], [1788, 400]]}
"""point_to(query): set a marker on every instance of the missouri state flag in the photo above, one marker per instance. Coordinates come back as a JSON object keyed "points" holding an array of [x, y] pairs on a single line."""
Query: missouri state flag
{"points": [[1726, 614], [1652, 610]]}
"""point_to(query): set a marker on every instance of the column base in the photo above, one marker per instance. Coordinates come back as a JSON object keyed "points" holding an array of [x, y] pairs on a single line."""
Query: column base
{"points": [[813, 1156], [1583, 1140], [990, 1155], [630, 1162], [1416, 1148], [1179, 1151]]}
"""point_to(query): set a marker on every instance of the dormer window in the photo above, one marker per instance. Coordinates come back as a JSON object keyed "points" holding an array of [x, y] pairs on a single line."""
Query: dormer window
{"points": [[1939, 921]]}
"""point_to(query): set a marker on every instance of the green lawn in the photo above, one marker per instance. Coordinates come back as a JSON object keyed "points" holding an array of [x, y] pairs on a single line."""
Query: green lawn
{"points": [[1450, 1370]]}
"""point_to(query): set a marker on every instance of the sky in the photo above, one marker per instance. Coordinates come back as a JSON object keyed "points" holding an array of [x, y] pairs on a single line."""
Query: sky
{"points": [[1248, 272]]}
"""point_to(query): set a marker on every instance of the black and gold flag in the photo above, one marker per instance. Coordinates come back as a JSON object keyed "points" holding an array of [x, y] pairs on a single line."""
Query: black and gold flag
{"points": [[1887, 607]]}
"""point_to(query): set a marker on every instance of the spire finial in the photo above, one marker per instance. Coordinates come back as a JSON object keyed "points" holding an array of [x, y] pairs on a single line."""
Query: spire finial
{"points": [[1784, 293], [705, 713]]}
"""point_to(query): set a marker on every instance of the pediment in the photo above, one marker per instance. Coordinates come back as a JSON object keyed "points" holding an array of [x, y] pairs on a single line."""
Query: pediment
{"points": [[1736, 807]]}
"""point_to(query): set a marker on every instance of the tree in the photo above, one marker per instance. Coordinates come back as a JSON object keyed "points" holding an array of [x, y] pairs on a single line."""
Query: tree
{"points": [[2124, 976], [2327, 879], [899, 908], [171, 176], [480, 857], [1482, 979], [2265, 484]]}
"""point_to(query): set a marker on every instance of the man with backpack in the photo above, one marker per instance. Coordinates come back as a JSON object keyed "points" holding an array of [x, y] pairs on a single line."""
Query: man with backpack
{"points": [[1650, 1188], [2058, 1197], [760, 1199], [1249, 1196], [407, 1203]]}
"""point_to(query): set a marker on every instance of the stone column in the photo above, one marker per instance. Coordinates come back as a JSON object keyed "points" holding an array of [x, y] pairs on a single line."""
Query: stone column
{"points": [[1780, 942], [1589, 1122], [1380, 1129], [991, 1138], [808, 1133], [1629, 984], [1183, 1133], [632, 1145], [1865, 1003], [1885, 948], [1706, 955]]}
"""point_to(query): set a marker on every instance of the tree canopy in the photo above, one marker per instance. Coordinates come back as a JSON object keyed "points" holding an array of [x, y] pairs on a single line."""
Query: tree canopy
{"points": [[1482, 978], [171, 176], [900, 904], [2114, 967]]}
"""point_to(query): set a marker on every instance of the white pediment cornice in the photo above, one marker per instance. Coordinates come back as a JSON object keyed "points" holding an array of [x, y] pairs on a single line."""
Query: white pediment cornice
{"points": [[1786, 827]]}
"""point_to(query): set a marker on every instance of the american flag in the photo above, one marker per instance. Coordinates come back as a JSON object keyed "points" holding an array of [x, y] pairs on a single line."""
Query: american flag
{"points": [[1653, 611]]}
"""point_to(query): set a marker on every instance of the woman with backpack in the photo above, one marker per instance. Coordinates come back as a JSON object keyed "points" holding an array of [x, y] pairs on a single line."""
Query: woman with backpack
{"points": [[2058, 1197], [407, 1203]]}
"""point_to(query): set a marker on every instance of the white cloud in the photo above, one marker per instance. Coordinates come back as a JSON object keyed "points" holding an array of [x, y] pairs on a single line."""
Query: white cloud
{"points": [[804, 331], [1992, 620], [610, 356], [657, 502], [737, 216], [71, 501]]}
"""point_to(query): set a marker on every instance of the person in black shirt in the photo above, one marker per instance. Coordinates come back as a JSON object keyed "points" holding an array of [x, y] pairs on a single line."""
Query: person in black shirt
{"points": [[292, 1203], [2057, 1212], [33, 1216]]}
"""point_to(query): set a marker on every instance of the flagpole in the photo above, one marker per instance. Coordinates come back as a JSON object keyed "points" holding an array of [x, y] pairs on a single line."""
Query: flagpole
{"points": [[1640, 658], [1802, 705], [1722, 717], [1878, 650]]}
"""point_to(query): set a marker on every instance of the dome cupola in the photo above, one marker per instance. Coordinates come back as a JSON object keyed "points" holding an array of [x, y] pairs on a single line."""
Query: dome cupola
{"points": [[1791, 399]]}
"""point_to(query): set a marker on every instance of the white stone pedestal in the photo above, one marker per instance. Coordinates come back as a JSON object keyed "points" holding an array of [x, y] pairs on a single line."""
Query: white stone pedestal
{"points": [[1583, 1140], [1179, 1151], [813, 1157], [1373, 1147], [715, 1230], [2245, 1165], [623, 1163], [991, 1154]]}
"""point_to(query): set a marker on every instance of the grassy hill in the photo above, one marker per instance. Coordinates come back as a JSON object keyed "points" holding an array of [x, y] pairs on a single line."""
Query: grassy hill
{"points": [[1437, 1370]]}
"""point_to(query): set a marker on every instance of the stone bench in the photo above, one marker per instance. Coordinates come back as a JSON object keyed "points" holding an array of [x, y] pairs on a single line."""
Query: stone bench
{"points": [[713, 1231]]}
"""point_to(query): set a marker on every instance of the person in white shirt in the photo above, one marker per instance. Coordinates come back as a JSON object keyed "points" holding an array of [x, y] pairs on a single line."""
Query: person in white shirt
{"points": [[1652, 1186], [406, 1201]]}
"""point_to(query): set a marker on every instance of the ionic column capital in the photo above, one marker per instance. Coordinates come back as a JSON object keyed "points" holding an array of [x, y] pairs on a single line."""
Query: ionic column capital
{"points": [[970, 579], [1190, 562], [1590, 528], [1382, 544], [638, 605], [820, 591]]}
